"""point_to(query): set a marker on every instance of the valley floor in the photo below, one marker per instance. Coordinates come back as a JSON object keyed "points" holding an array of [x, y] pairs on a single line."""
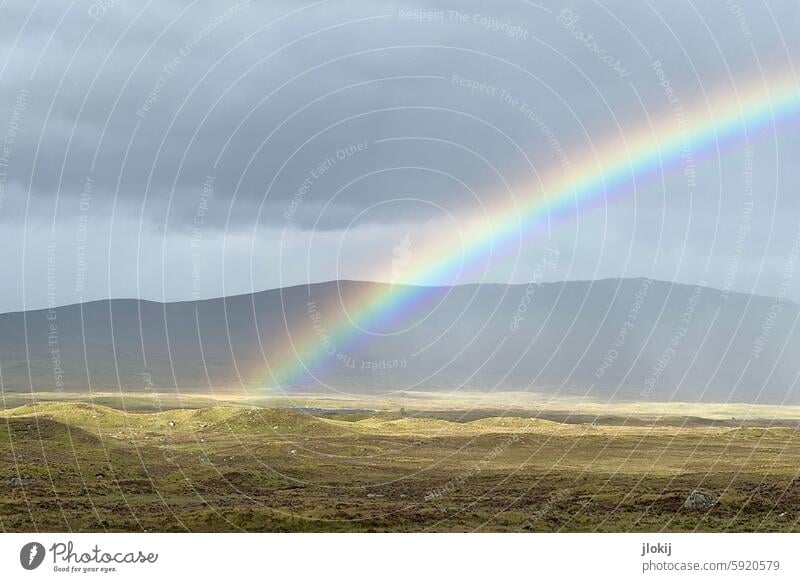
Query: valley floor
{"points": [[92, 464]]}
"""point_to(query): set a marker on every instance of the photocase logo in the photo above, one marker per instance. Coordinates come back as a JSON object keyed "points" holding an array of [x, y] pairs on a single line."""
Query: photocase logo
{"points": [[31, 555]]}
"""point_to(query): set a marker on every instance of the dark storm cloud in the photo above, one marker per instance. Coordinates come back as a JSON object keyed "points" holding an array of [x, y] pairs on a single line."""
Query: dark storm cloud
{"points": [[327, 116]]}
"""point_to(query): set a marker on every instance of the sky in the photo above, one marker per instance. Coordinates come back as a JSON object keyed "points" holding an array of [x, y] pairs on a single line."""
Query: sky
{"points": [[185, 150]]}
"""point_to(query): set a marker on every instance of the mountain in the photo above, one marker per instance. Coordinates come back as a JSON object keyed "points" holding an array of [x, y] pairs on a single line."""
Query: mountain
{"points": [[627, 339]]}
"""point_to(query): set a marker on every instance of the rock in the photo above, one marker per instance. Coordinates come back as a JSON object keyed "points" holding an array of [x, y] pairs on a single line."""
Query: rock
{"points": [[293, 451], [171, 424], [699, 500], [20, 481]]}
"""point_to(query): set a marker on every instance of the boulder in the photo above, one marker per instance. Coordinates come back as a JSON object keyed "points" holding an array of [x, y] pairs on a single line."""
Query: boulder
{"points": [[21, 481], [699, 500]]}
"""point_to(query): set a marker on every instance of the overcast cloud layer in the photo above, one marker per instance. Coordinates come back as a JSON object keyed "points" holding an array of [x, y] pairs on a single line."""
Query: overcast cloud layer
{"points": [[175, 150]]}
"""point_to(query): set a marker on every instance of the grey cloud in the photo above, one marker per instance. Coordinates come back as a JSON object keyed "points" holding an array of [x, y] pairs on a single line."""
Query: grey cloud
{"points": [[145, 99]]}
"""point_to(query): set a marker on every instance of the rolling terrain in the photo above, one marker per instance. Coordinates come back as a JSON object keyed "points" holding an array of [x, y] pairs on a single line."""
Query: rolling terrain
{"points": [[139, 464], [598, 407]]}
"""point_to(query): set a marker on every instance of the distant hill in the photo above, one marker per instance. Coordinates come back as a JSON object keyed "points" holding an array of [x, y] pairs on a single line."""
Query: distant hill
{"points": [[627, 339]]}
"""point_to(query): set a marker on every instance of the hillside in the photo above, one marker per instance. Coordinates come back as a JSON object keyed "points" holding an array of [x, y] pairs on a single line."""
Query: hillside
{"points": [[628, 339]]}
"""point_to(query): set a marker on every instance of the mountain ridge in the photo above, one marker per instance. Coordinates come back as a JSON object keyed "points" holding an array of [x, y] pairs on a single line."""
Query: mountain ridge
{"points": [[618, 338], [388, 284]]}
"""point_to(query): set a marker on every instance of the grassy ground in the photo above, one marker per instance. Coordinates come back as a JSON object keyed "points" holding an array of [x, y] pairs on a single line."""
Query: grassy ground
{"points": [[133, 463]]}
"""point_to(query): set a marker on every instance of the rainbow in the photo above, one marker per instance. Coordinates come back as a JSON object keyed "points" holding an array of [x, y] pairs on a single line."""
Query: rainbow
{"points": [[613, 168]]}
